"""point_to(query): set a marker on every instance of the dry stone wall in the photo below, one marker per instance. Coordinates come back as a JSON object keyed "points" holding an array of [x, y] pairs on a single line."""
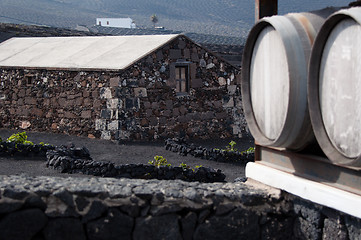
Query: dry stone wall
{"points": [[107, 208], [137, 103]]}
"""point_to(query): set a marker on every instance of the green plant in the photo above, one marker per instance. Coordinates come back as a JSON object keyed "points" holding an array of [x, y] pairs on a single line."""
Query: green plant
{"points": [[19, 138], [184, 166], [248, 151], [159, 161], [230, 147], [196, 167]]}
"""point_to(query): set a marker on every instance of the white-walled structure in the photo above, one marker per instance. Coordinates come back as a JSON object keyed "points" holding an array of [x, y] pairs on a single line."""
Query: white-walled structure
{"points": [[116, 22]]}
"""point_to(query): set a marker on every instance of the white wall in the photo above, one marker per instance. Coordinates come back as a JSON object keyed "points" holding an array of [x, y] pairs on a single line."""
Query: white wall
{"points": [[116, 22]]}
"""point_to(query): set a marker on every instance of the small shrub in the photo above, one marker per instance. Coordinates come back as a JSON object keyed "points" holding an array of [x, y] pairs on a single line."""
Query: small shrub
{"points": [[248, 151], [44, 144], [184, 166], [196, 167], [230, 147], [159, 161], [19, 138]]}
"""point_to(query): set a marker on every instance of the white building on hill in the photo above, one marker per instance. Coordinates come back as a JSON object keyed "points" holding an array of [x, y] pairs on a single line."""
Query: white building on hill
{"points": [[116, 22]]}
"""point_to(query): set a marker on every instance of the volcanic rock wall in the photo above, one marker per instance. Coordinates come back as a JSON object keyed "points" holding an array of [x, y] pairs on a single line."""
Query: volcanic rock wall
{"points": [[105, 208]]}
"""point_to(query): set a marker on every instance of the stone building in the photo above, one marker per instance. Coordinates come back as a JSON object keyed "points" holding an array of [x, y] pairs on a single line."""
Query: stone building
{"points": [[119, 87]]}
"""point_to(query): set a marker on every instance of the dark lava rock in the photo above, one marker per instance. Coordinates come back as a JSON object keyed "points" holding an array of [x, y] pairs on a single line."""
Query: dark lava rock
{"points": [[115, 225], [167, 225], [64, 228], [22, 224], [239, 224], [9, 206], [278, 227], [333, 230], [303, 229], [96, 210], [188, 224]]}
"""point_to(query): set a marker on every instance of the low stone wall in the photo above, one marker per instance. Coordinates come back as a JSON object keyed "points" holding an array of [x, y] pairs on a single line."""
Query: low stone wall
{"points": [[78, 160], [28, 150], [182, 147], [71, 159], [108, 208]]}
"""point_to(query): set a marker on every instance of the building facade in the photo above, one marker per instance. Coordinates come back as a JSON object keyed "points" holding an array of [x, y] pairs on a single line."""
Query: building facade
{"points": [[175, 89]]}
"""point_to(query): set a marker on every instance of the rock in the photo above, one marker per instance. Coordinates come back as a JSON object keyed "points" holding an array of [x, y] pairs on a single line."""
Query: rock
{"points": [[211, 65], [304, 229], [224, 208], [81, 203], [167, 225], [332, 229], [18, 195], [165, 209], [203, 215], [131, 210], [25, 124], [188, 224], [307, 211], [239, 224], [240, 179], [354, 227], [91, 136], [65, 196], [222, 81], [64, 228], [22, 224], [6, 207], [96, 210], [114, 225], [277, 228], [35, 202]]}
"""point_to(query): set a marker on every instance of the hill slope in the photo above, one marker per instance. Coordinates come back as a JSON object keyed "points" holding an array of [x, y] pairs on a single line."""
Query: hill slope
{"points": [[216, 17]]}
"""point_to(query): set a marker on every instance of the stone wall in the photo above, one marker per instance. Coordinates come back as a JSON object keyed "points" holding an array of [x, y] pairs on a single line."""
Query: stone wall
{"points": [[106, 208], [137, 103]]}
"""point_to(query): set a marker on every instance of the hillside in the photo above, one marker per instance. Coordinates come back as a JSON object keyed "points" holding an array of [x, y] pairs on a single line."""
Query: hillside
{"points": [[216, 17]]}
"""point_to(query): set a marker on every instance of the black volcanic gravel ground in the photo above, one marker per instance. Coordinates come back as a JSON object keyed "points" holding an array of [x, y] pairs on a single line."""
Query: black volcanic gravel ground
{"points": [[124, 153]]}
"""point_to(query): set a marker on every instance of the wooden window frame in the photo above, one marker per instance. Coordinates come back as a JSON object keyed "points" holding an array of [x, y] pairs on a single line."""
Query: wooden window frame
{"points": [[182, 84], [29, 79]]}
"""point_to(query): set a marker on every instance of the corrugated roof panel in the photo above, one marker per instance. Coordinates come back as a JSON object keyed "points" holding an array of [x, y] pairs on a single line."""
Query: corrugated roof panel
{"points": [[104, 52]]}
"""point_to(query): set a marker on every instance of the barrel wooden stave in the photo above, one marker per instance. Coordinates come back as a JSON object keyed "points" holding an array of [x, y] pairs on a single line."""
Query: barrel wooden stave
{"points": [[334, 87], [274, 89]]}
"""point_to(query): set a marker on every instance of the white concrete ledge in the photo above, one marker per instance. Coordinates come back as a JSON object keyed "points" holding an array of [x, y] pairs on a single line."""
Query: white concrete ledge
{"points": [[314, 191]]}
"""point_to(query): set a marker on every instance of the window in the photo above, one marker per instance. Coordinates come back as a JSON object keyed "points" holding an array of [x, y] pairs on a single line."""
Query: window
{"points": [[29, 79], [181, 76]]}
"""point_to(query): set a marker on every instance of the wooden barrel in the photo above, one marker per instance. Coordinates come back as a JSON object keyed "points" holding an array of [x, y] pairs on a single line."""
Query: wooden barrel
{"points": [[334, 87], [274, 78]]}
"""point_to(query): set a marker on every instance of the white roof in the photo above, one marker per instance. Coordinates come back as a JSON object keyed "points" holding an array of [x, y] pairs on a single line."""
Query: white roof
{"points": [[100, 53]]}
